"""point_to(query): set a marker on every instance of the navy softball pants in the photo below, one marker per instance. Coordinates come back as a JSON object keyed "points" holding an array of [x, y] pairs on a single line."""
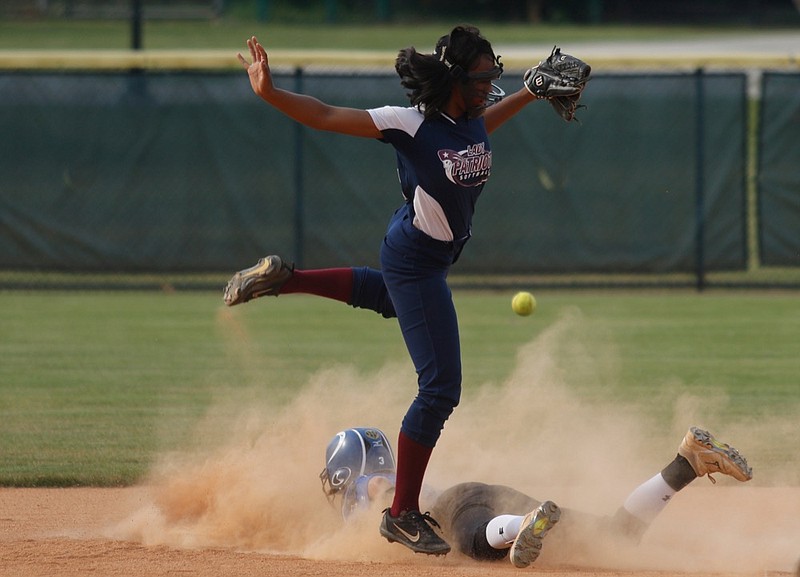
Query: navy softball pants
{"points": [[412, 286], [465, 509]]}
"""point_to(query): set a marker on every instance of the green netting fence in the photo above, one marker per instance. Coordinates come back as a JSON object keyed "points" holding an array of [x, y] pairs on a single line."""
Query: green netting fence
{"points": [[186, 172]]}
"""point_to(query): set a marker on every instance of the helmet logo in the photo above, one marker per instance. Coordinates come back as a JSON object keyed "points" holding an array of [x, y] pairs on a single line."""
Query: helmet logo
{"points": [[372, 434], [340, 477]]}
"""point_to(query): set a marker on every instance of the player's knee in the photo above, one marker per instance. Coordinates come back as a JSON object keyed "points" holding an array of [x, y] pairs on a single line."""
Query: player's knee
{"points": [[441, 391], [369, 292], [441, 404]]}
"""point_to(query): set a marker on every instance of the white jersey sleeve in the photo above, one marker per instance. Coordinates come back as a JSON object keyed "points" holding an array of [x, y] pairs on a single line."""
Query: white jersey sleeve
{"points": [[407, 119]]}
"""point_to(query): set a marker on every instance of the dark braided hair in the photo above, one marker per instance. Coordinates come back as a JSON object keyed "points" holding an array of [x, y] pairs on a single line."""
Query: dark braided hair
{"points": [[430, 77]]}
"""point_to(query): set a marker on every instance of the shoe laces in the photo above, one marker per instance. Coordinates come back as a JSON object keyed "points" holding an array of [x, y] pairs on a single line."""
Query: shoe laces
{"points": [[426, 516], [416, 517]]}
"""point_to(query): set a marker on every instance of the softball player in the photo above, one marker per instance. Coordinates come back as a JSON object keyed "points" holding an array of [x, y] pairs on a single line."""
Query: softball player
{"points": [[444, 159], [489, 522]]}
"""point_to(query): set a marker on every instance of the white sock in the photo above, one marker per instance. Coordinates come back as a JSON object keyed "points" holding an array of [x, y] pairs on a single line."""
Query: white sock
{"points": [[649, 499], [502, 530]]}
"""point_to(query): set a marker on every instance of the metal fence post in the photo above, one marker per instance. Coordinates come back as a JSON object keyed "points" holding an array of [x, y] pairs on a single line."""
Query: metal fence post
{"points": [[699, 180], [136, 24], [299, 220]]}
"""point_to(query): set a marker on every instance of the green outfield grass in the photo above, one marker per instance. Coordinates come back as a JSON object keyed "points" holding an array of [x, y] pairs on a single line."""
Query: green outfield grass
{"points": [[230, 34], [95, 385]]}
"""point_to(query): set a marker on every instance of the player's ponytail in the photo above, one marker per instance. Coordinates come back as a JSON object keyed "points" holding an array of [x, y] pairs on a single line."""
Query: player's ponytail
{"points": [[426, 79]]}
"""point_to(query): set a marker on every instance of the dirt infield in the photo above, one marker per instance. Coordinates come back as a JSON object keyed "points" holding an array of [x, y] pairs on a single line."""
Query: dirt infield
{"points": [[78, 532], [244, 498]]}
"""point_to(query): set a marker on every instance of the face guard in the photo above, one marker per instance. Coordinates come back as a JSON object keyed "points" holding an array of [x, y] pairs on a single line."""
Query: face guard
{"points": [[473, 93], [496, 94]]}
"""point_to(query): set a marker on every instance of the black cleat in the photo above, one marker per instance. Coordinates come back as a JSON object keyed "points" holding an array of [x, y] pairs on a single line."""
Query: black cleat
{"points": [[413, 529]]}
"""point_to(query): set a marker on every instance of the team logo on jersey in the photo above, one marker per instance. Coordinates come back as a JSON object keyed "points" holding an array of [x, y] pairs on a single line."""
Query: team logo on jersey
{"points": [[469, 167]]}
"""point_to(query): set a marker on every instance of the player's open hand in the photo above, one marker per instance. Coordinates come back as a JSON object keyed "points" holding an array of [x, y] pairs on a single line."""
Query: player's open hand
{"points": [[258, 69]]}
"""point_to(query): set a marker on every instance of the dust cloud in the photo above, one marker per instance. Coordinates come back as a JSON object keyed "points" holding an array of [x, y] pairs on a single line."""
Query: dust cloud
{"points": [[257, 486]]}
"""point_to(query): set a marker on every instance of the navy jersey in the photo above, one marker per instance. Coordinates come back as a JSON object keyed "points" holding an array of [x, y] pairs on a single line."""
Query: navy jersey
{"points": [[442, 164]]}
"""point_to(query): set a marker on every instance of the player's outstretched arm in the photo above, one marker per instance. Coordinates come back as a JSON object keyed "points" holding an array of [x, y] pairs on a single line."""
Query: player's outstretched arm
{"points": [[305, 109], [497, 114]]}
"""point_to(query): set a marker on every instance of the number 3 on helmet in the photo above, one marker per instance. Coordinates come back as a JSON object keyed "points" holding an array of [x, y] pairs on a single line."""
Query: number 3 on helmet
{"points": [[352, 453]]}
